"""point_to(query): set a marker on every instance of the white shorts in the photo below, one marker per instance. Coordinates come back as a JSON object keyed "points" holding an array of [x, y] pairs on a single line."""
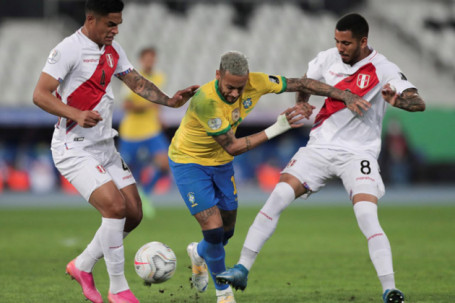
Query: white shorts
{"points": [[315, 166], [90, 167]]}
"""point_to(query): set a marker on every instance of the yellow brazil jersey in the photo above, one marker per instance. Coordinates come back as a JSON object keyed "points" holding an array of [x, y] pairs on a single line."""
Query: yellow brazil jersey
{"points": [[209, 114], [137, 126]]}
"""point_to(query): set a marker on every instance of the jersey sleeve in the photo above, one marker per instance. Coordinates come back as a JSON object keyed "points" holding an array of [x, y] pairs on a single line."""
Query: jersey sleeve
{"points": [[316, 66], [123, 65], [61, 60], [210, 115], [267, 84], [395, 77]]}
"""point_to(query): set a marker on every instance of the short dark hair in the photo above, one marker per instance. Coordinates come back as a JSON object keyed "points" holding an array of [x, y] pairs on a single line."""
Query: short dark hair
{"points": [[104, 7], [146, 50], [354, 23]]}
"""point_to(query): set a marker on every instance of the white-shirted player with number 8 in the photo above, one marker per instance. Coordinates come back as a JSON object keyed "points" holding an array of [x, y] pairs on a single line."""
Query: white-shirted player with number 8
{"points": [[344, 143]]}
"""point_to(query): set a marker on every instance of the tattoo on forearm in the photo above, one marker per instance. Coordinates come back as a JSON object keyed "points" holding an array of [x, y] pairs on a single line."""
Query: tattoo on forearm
{"points": [[410, 101], [313, 87], [247, 141], [144, 88]]}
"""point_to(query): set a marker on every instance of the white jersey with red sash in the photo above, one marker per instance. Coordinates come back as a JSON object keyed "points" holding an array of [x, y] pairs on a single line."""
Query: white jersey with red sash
{"points": [[84, 71], [335, 126]]}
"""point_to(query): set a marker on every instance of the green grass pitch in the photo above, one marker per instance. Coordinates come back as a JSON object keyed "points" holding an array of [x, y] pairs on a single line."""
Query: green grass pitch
{"points": [[317, 254]]}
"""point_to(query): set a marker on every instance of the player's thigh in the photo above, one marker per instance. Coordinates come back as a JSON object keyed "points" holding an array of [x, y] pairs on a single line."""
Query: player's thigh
{"points": [[225, 187], [361, 175], [310, 167], [195, 186]]}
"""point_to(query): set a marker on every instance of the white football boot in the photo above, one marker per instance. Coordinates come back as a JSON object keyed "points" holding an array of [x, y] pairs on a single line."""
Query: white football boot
{"points": [[225, 296], [200, 275]]}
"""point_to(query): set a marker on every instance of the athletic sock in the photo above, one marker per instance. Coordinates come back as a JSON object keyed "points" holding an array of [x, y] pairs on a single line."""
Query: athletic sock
{"points": [[111, 240], [212, 250], [265, 223], [378, 243], [92, 253]]}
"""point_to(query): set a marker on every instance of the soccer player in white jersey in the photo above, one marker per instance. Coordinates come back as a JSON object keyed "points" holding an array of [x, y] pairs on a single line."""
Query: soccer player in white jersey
{"points": [[344, 143], [79, 70]]}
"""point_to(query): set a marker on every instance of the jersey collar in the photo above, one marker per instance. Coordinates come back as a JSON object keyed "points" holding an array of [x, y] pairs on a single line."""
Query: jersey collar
{"points": [[219, 93]]}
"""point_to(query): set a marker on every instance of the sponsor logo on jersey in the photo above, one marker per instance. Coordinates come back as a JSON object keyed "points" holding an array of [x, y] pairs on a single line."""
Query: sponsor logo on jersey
{"points": [[101, 169], [235, 115], [274, 79], [214, 123], [54, 56], [93, 60], [363, 80], [247, 103], [110, 60], [79, 139]]}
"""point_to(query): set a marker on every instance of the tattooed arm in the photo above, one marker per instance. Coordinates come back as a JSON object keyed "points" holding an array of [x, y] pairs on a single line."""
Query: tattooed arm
{"points": [[302, 99], [313, 87], [146, 89], [235, 146], [408, 100]]}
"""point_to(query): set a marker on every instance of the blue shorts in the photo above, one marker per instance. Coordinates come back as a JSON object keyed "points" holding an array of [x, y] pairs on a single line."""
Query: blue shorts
{"points": [[203, 187], [133, 150]]}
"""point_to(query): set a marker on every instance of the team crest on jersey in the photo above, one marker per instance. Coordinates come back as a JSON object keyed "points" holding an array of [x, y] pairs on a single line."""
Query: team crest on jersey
{"points": [[247, 103], [101, 169], [54, 56], [110, 60], [214, 123], [363, 80], [235, 115]]}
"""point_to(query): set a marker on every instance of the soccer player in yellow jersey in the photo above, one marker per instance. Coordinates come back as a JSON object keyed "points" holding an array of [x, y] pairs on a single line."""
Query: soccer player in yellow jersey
{"points": [[205, 144], [141, 132]]}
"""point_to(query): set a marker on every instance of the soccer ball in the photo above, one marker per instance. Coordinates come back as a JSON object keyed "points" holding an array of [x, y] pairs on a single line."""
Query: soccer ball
{"points": [[155, 262]]}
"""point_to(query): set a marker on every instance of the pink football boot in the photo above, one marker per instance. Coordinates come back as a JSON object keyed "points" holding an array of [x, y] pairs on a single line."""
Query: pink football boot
{"points": [[85, 279], [125, 296]]}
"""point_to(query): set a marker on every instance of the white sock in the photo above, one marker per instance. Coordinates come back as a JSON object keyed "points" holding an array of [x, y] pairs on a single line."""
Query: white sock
{"points": [[378, 244], [92, 253], [111, 240], [265, 223]]}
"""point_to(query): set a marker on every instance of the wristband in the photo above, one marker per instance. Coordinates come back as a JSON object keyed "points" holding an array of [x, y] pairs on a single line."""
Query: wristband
{"points": [[280, 126]]}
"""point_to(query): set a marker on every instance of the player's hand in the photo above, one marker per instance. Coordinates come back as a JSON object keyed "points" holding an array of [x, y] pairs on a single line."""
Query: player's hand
{"points": [[294, 115], [307, 109], [88, 118], [182, 96], [389, 93], [356, 104]]}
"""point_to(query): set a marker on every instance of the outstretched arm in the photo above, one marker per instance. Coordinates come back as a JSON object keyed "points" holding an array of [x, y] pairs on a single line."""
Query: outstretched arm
{"points": [[146, 89], [408, 100], [309, 86], [301, 99], [235, 146]]}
